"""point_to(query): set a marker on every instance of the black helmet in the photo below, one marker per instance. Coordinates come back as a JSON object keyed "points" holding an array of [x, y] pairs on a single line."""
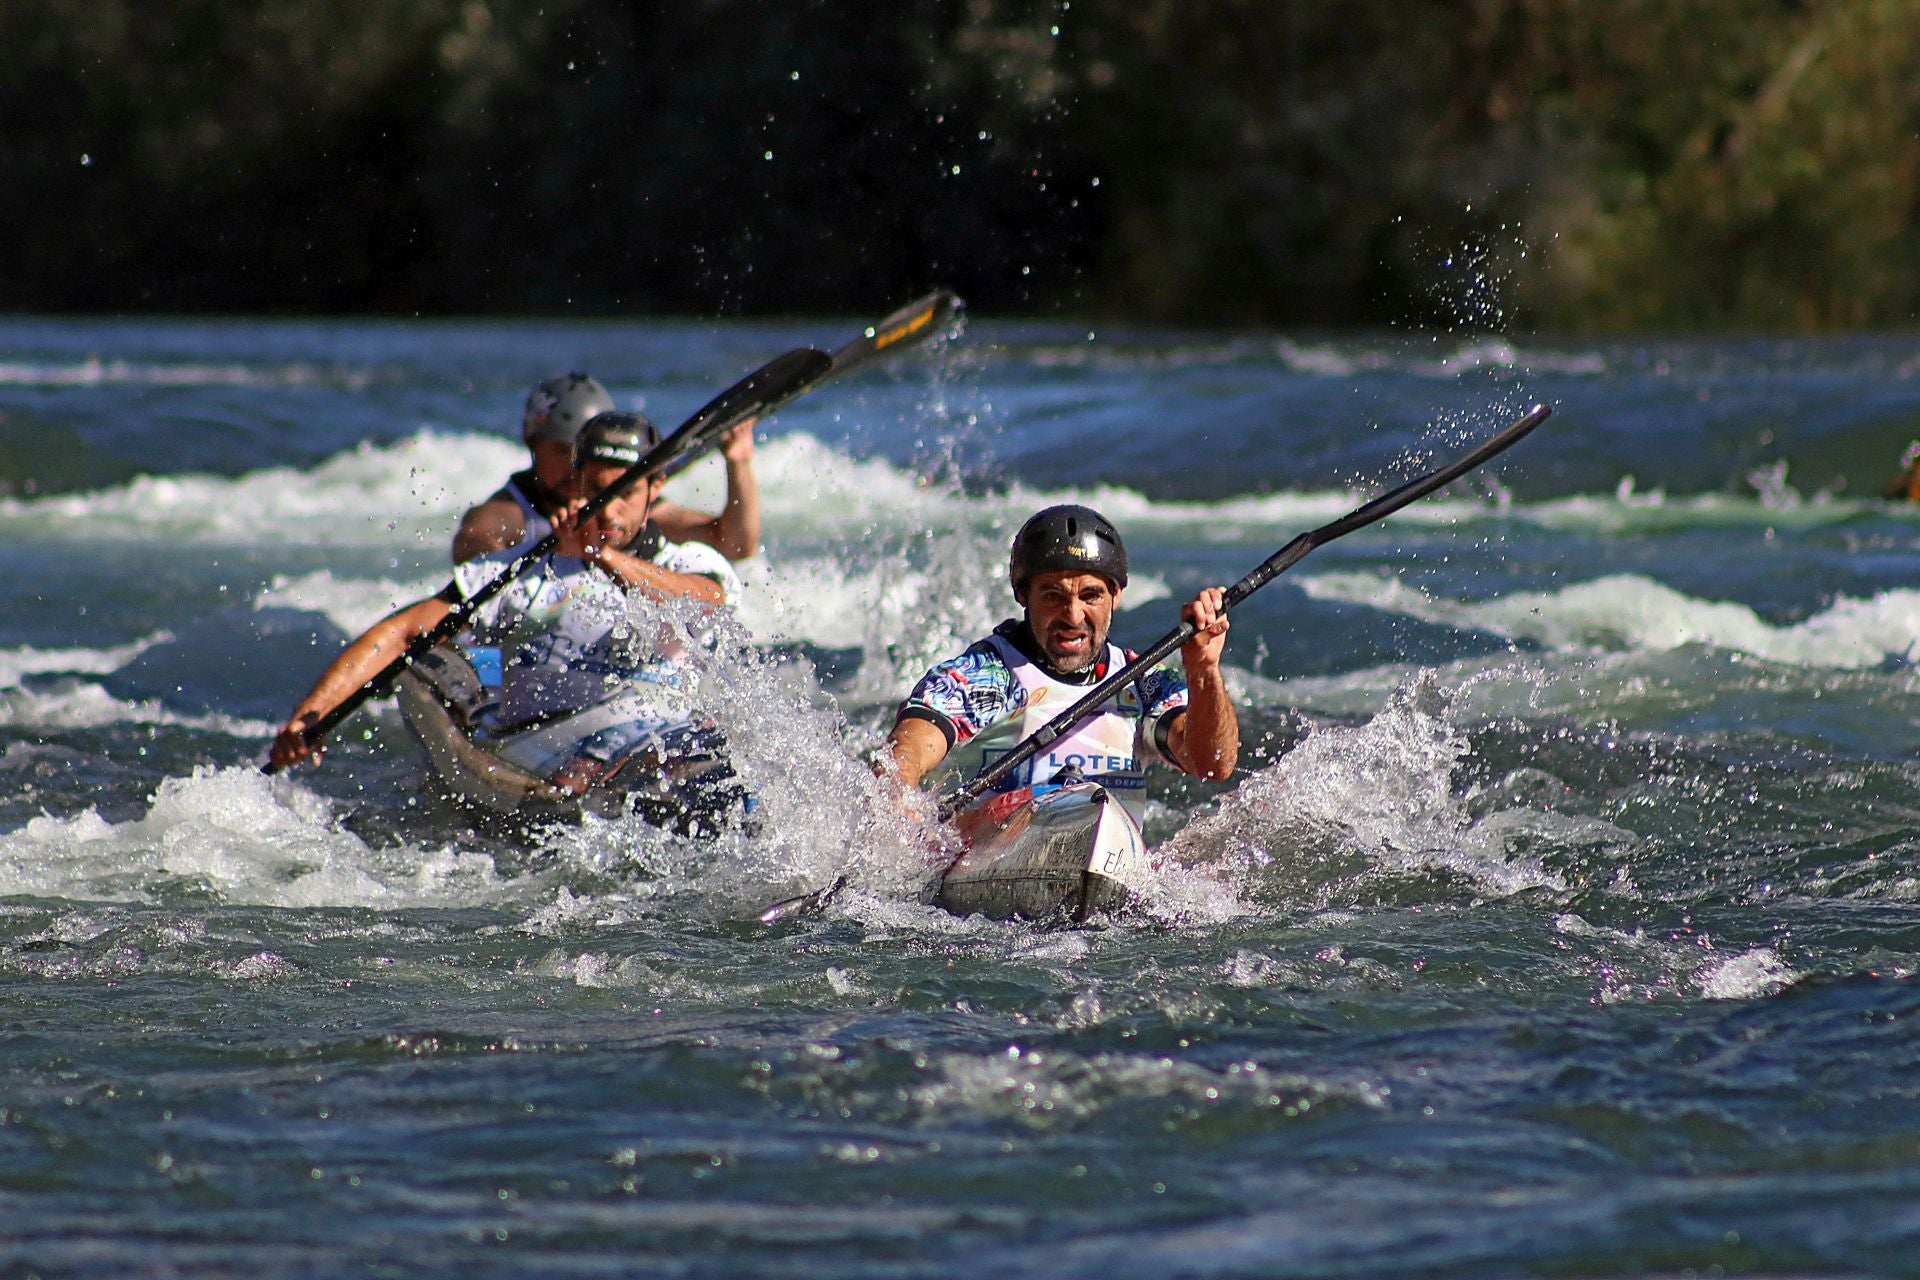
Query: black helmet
{"points": [[559, 407], [1077, 539], [614, 437]]}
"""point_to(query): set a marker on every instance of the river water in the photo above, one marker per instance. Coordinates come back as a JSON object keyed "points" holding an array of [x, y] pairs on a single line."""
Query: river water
{"points": [[1561, 919]]}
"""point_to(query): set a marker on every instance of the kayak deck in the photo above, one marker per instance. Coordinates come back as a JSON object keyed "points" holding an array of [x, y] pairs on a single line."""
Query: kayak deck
{"points": [[1048, 852]]}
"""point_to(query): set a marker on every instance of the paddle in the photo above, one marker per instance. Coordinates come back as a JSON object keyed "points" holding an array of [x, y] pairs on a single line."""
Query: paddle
{"points": [[909, 326], [1269, 569], [772, 384], [758, 394]]}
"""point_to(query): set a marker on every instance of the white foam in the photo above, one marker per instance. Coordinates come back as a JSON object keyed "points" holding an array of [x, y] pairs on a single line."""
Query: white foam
{"points": [[352, 604], [414, 488], [81, 704], [1744, 977], [809, 486], [410, 492], [821, 813], [1381, 791], [17, 664], [245, 838], [1634, 612]]}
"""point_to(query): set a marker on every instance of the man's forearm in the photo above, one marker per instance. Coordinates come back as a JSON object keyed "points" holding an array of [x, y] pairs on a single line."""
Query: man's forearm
{"points": [[1209, 733], [633, 572], [737, 529]]}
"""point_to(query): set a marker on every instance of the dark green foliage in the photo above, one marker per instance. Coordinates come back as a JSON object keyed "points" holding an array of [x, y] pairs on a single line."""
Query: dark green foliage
{"points": [[1455, 162]]}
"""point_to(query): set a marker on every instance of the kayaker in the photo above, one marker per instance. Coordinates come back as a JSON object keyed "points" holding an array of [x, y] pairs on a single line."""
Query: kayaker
{"points": [[519, 513], [1068, 569], [568, 638]]}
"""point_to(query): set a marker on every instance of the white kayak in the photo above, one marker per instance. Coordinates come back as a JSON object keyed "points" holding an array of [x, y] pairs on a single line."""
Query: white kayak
{"points": [[445, 699], [1068, 851]]}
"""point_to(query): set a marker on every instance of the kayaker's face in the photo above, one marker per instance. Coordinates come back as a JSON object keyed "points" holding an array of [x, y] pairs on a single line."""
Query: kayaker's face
{"points": [[630, 508], [1070, 614]]}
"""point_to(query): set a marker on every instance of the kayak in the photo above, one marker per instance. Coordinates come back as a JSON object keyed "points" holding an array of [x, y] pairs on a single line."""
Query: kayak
{"points": [[1069, 851], [445, 697], [1057, 851]]}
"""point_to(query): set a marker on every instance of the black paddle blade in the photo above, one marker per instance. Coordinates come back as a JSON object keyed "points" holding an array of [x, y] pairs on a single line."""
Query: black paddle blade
{"points": [[759, 393], [806, 904]]}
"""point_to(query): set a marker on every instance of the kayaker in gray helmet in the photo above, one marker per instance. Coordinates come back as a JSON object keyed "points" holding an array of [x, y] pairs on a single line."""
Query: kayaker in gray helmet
{"points": [[520, 512], [1068, 568]]}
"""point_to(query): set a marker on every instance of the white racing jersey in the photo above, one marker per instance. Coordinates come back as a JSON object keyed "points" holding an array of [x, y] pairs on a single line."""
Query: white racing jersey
{"points": [[569, 637], [993, 697]]}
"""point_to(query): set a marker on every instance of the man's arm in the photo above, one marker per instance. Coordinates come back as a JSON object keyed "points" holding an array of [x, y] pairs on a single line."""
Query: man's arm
{"points": [[1204, 739], [600, 542], [633, 572], [358, 663], [917, 747], [494, 525], [735, 532]]}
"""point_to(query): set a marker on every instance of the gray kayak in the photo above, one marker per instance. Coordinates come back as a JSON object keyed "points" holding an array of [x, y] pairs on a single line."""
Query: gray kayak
{"points": [[1050, 852], [444, 700]]}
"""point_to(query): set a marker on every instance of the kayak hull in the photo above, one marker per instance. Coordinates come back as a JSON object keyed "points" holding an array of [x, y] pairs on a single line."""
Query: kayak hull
{"points": [[1046, 853], [442, 697]]}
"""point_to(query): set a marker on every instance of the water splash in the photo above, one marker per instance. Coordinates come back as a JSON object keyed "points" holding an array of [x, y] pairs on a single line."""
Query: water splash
{"points": [[238, 837], [1351, 805], [819, 812]]}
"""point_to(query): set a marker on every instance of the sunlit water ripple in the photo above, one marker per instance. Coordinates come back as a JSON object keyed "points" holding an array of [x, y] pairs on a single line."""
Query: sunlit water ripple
{"points": [[1560, 920]]}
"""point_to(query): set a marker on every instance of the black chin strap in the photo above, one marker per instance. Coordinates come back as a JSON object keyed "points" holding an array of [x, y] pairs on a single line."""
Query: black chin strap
{"points": [[647, 543]]}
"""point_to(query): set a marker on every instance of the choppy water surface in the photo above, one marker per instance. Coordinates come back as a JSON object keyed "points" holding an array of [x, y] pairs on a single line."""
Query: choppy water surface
{"points": [[1560, 921]]}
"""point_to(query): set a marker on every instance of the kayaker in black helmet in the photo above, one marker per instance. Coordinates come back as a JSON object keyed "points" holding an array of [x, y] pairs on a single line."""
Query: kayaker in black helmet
{"points": [[569, 631], [1068, 568]]}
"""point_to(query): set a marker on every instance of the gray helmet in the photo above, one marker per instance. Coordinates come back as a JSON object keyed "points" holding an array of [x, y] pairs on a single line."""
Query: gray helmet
{"points": [[1077, 539], [559, 407], [615, 437]]}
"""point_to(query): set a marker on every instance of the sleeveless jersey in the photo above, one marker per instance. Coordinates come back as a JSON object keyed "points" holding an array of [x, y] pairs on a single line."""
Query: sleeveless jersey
{"points": [[993, 697], [566, 632]]}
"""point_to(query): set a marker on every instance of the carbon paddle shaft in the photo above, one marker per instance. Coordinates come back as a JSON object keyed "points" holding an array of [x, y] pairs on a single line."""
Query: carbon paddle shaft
{"points": [[1269, 569], [773, 383]]}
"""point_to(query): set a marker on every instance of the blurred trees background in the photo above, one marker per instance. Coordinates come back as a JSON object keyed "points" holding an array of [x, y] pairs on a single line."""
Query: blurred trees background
{"points": [[1559, 164]]}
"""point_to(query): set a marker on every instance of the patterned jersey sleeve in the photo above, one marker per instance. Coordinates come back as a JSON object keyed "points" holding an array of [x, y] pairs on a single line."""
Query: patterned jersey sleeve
{"points": [[1163, 691], [965, 695]]}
